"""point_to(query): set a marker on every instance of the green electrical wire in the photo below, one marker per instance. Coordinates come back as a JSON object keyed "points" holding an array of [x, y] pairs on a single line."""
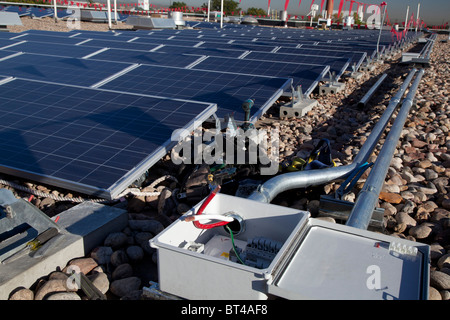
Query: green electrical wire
{"points": [[234, 246]]}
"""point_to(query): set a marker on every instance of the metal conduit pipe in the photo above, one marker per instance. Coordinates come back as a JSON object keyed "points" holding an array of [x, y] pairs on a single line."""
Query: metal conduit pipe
{"points": [[430, 47], [370, 93], [302, 179], [368, 197]]}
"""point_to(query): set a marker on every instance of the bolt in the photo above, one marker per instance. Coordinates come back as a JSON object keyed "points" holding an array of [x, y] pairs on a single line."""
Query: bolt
{"points": [[9, 212]]}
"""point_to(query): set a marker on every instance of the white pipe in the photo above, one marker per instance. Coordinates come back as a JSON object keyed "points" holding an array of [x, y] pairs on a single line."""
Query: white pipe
{"points": [[418, 11], [115, 11], [381, 29], [221, 14], [209, 7], [109, 13], [55, 10], [406, 19]]}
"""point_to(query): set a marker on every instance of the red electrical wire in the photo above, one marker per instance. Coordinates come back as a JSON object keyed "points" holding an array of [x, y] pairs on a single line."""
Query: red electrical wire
{"points": [[202, 208]]}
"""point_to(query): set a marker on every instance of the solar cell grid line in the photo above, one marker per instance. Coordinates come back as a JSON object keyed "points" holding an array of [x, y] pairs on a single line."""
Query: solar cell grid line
{"points": [[91, 141], [226, 89], [59, 69], [6, 43], [4, 55]]}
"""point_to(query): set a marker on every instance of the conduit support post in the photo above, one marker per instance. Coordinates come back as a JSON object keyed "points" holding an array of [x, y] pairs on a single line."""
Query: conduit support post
{"points": [[368, 196], [303, 179]]}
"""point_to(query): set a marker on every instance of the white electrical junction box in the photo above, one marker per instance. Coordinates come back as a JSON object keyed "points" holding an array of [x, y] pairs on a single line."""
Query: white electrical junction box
{"points": [[314, 259]]}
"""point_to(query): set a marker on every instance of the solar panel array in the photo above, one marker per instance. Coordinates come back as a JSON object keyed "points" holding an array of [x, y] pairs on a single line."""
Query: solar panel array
{"points": [[92, 111], [36, 12], [87, 140]]}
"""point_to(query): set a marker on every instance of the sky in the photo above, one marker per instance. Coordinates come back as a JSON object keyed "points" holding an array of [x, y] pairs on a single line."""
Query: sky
{"points": [[433, 12]]}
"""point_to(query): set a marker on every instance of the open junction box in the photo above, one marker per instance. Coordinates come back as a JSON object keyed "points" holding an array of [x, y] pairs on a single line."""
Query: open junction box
{"points": [[286, 254]]}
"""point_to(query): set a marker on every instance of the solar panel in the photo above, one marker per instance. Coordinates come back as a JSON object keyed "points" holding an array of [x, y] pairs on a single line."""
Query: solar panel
{"points": [[21, 11], [217, 52], [232, 46], [64, 13], [6, 55], [227, 90], [142, 57], [354, 56], [337, 65], [87, 140], [306, 75], [61, 50], [65, 39], [179, 42], [58, 69], [42, 38], [36, 12]]}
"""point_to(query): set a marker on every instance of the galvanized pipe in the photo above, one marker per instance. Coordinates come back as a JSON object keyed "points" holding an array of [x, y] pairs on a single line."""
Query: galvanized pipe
{"points": [[368, 197], [302, 179], [362, 103], [430, 47]]}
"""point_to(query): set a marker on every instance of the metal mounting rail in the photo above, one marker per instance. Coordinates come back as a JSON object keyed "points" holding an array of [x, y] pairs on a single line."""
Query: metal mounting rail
{"points": [[302, 179], [368, 197]]}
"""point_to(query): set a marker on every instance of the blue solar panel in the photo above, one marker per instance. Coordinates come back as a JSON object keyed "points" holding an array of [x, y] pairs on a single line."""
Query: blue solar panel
{"points": [[87, 140], [227, 90], [355, 57], [21, 11], [337, 65], [62, 50], [63, 39], [217, 52], [167, 59], [64, 13], [304, 75], [5, 54], [36, 12], [164, 41], [59, 69]]}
